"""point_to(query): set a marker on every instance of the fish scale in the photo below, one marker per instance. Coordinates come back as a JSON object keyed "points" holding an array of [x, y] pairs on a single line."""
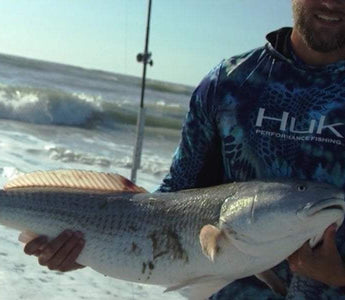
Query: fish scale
{"points": [[114, 224]]}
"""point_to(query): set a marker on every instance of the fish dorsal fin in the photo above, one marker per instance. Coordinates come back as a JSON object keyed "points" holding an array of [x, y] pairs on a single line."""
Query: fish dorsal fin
{"points": [[75, 180]]}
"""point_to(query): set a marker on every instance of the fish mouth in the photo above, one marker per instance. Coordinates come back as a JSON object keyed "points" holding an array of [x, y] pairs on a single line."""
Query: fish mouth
{"points": [[332, 203]]}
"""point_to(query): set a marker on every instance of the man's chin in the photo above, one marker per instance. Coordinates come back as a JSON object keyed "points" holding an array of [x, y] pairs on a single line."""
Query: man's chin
{"points": [[323, 43]]}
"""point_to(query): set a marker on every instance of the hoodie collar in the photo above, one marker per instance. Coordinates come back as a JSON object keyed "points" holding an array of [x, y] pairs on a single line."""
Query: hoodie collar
{"points": [[279, 45]]}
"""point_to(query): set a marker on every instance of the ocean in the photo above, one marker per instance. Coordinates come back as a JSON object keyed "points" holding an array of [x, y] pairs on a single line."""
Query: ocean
{"points": [[55, 116]]}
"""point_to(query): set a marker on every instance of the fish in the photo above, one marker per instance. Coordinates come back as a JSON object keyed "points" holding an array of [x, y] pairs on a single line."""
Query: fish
{"points": [[192, 241]]}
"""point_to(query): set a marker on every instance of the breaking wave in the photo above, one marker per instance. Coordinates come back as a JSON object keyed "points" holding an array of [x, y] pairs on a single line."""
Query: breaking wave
{"points": [[54, 106]]}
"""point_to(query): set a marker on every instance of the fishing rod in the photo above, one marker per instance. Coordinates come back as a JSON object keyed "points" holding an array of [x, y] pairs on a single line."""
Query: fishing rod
{"points": [[145, 58]]}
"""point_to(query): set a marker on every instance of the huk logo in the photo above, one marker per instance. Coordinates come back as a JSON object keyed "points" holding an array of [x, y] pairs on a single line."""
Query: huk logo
{"points": [[315, 126]]}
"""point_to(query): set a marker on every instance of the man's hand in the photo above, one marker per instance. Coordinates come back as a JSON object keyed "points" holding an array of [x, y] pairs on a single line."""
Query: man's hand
{"points": [[58, 254], [322, 263]]}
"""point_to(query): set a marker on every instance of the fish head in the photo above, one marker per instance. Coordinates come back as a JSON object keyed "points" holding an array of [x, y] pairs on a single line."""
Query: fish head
{"points": [[283, 215]]}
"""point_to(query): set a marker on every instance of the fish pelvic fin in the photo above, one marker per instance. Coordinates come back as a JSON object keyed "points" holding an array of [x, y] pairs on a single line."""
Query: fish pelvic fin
{"points": [[199, 288], [74, 180], [210, 238], [273, 281], [196, 280]]}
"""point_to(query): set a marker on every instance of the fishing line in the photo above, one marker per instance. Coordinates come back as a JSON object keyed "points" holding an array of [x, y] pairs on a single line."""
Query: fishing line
{"points": [[125, 36]]}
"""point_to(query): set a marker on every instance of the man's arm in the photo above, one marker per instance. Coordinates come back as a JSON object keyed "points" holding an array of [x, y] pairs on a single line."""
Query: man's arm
{"points": [[197, 161]]}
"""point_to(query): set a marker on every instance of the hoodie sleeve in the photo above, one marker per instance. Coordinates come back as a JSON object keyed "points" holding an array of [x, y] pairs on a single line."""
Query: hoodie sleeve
{"points": [[197, 161]]}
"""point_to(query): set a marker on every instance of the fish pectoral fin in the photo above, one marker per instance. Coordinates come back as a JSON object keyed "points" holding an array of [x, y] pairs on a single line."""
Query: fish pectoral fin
{"points": [[75, 180], [210, 239], [273, 281], [200, 288]]}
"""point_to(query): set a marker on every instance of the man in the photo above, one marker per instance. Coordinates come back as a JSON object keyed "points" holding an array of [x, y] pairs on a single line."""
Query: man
{"points": [[276, 111]]}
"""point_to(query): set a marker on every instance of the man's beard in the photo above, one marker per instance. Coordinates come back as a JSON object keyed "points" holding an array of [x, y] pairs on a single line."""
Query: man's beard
{"points": [[319, 41]]}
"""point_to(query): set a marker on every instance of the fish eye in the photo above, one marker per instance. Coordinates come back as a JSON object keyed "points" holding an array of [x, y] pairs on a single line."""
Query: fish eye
{"points": [[301, 188]]}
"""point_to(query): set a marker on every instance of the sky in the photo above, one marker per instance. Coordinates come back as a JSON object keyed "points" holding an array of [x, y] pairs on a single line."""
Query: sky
{"points": [[187, 37]]}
